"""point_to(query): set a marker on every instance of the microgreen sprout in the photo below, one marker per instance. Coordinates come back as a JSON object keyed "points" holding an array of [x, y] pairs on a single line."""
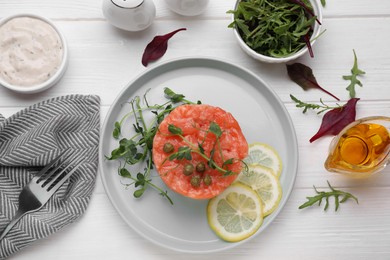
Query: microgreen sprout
{"points": [[138, 148], [185, 152]]}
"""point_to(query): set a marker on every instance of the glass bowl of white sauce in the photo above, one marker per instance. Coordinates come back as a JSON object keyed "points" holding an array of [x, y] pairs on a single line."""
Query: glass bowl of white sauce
{"points": [[33, 53]]}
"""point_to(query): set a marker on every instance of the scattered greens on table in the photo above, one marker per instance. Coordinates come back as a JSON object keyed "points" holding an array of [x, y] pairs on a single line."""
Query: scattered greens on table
{"points": [[353, 77], [306, 106], [337, 194], [277, 28]]}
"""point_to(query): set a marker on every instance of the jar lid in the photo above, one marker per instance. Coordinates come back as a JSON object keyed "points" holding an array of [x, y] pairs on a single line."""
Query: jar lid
{"points": [[128, 3]]}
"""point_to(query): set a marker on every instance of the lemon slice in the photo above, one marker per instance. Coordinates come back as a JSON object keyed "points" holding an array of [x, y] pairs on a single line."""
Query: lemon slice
{"points": [[236, 213], [265, 155], [262, 180]]}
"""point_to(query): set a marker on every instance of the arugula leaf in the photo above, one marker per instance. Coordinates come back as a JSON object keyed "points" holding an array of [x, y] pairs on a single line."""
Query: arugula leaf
{"points": [[353, 78], [307, 106], [337, 194]]}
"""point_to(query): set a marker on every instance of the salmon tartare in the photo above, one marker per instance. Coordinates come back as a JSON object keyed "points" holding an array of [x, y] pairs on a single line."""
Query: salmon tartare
{"points": [[204, 154]]}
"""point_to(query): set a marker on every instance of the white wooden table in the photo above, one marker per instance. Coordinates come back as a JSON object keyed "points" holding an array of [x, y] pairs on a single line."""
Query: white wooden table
{"points": [[103, 60]]}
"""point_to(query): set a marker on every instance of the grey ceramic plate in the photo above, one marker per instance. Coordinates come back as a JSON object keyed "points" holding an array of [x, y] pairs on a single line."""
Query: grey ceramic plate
{"points": [[261, 115]]}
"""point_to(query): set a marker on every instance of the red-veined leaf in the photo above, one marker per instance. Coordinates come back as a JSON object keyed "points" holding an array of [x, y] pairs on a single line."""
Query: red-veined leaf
{"points": [[157, 47], [307, 9], [306, 38], [304, 77], [336, 119]]}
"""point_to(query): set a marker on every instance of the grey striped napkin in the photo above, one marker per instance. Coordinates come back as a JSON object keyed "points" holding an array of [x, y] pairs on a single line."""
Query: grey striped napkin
{"points": [[28, 141]]}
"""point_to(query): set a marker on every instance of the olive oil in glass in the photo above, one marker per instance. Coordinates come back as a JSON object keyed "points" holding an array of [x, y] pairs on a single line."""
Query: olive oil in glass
{"points": [[361, 149]]}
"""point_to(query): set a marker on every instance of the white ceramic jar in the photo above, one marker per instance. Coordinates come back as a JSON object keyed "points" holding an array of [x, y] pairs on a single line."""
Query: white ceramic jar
{"points": [[187, 7], [129, 15]]}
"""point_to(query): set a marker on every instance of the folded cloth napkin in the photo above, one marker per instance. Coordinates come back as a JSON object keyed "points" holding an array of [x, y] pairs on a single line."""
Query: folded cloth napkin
{"points": [[29, 140]]}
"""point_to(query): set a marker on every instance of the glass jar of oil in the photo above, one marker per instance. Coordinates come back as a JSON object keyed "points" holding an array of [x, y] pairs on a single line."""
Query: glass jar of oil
{"points": [[361, 149]]}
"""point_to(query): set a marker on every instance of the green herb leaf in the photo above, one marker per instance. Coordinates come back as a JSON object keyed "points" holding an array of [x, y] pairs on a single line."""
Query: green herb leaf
{"points": [[124, 173], [353, 78], [229, 173], [138, 128], [175, 130], [228, 162], [215, 129], [139, 193], [307, 106], [127, 149], [323, 2], [326, 195], [211, 162], [183, 152], [175, 98], [201, 149], [117, 130]]}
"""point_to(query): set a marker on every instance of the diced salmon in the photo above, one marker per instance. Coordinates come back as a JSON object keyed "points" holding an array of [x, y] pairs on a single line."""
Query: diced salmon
{"points": [[194, 121]]}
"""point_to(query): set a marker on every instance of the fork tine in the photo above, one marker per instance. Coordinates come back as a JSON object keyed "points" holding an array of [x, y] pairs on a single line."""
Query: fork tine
{"points": [[42, 174], [47, 180], [51, 181], [61, 182]]}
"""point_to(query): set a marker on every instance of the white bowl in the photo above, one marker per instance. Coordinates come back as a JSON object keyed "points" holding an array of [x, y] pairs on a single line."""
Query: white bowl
{"points": [[54, 78], [316, 31]]}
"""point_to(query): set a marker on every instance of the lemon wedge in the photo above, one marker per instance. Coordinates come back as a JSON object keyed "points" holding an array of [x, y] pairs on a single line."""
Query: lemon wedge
{"points": [[236, 213], [262, 180], [264, 155]]}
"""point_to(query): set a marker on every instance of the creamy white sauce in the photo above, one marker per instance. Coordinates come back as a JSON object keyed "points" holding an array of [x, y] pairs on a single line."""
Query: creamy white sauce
{"points": [[31, 51]]}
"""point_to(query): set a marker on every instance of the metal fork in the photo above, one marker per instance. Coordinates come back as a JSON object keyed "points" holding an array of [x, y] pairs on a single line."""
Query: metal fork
{"points": [[40, 189]]}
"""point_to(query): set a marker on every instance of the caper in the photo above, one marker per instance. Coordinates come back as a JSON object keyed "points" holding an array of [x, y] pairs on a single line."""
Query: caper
{"points": [[207, 180], [168, 148], [188, 169], [200, 167], [195, 181]]}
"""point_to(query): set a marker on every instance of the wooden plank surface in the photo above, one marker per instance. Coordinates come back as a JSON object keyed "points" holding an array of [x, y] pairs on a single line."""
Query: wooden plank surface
{"points": [[91, 9], [103, 60]]}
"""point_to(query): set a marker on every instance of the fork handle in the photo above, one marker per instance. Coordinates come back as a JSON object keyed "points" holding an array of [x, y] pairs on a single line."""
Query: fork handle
{"points": [[19, 214]]}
